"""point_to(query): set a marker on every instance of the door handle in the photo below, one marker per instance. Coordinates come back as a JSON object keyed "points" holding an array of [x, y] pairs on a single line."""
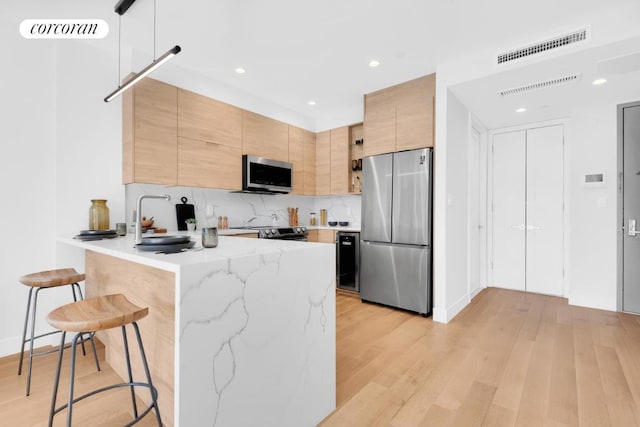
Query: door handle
{"points": [[632, 228], [518, 227], [532, 227]]}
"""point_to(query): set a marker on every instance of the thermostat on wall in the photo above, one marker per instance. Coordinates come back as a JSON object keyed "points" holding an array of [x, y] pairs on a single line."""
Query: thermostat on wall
{"points": [[594, 180]]}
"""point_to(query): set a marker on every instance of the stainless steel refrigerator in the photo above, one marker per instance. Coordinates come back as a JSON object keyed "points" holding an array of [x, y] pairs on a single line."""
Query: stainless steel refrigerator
{"points": [[395, 250]]}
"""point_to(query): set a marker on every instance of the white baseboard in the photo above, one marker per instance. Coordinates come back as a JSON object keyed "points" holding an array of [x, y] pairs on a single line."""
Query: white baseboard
{"points": [[445, 315], [590, 302], [475, 292], [440, 315], [9, 346]]}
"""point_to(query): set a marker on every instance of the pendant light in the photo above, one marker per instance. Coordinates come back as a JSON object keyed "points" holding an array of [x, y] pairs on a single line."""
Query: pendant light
{"points": [[120, 9]]}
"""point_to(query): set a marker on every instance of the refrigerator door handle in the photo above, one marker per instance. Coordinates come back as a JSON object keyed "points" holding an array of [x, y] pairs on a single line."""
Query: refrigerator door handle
{"points": [[402, 245]]}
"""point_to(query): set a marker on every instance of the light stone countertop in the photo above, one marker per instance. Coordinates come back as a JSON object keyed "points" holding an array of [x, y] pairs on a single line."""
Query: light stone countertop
{"points": [[228, 247]]}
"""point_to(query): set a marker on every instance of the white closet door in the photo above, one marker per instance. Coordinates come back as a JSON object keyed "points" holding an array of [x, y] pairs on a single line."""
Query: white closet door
{"points": [[509, 160], [544, 197]]}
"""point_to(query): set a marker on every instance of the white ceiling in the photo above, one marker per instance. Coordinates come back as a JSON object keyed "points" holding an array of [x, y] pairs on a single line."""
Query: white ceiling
{"points": [[618, 62], [297, 50]]}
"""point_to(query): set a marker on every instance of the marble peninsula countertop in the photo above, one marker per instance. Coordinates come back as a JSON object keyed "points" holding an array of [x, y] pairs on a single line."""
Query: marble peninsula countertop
{"points": [[228, 247]]}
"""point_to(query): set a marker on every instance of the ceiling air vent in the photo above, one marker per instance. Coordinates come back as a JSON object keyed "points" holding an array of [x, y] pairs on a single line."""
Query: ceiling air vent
{"points": [[541, 85], [565, 40]]}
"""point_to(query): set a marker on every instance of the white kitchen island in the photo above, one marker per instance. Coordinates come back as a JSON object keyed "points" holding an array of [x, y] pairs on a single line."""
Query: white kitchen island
{"points": [[238, 335]]}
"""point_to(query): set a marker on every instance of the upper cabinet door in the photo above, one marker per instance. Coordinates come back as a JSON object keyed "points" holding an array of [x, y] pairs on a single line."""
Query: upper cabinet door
{"points": [[340, 160], [414, 113], [309, 139], [264, 137], [209, 165], [205, 119], [323, 163], [296, 158], [379, 122], [155, 134]]}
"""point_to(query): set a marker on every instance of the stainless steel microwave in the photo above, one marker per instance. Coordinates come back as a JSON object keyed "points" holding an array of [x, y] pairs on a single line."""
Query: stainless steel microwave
{"points": [[266, 176]]}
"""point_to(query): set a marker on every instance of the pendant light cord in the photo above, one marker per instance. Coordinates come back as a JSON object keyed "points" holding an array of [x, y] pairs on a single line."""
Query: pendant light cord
{"points": [[119, 38]]}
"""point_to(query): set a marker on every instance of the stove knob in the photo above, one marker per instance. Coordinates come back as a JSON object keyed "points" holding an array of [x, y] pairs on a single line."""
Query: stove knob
{"points": [[298, 230], [274, 231], [304, 229]]}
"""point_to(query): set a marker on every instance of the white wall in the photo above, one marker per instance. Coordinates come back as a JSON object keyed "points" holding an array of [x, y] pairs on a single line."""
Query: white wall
{"points": [[27, 178], [62, 148], [592, 148], [452, 237]]}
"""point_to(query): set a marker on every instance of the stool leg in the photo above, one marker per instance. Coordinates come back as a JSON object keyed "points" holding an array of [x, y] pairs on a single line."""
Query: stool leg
{"points": [[72, 375], [126, 355], [75, 299], [24, 331], [33, 332], [152, 390], [56, 381], [91, 334]]}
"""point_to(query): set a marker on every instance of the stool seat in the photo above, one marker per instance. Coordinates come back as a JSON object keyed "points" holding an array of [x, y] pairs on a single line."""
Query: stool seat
{"points": [[52, 278], [96, 314]]}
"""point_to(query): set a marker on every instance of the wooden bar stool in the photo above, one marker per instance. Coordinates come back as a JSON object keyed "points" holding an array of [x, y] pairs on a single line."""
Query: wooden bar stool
{"points": [[97, 314], [47, 280]]}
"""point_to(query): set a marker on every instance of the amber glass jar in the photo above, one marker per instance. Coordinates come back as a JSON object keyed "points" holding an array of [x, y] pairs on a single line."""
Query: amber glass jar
{"points": [[99, 215]]}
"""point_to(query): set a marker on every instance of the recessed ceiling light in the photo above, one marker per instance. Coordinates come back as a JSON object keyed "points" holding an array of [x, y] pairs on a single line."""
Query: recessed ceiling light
{"points": [[598, 82], [312, 102], [521, 110], [374, 63], [240, 70]]}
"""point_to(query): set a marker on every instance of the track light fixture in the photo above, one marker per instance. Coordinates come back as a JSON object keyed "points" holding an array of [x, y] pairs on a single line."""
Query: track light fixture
{"points": [[120, 9]]}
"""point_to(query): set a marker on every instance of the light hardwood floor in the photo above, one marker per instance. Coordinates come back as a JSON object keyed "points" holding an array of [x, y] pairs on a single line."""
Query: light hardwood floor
{"points": [[508, 359], [112, 408]]}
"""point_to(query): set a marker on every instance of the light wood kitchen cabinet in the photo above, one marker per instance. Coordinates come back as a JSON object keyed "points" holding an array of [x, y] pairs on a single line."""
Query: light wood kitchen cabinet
{"points": [[400, 117], [323, 163], [296, 158], [205, 164], [205, 119], [150, 140], [264, 137], [414, 113], [309, 163], [340, 160], [326, 236], [302, 155], [379, 122], [245, 235], [321, 236]]}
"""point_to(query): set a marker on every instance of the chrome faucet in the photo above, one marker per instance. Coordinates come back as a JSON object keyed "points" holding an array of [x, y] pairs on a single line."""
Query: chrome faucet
{"points": [[139, 213]]}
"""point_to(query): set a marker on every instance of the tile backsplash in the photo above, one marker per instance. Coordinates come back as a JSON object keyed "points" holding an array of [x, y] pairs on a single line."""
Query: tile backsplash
{"points": [[238, 207]]}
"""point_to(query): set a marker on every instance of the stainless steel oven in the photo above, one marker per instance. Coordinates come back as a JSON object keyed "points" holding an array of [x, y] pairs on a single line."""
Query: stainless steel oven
{"points": [[283, 233]]}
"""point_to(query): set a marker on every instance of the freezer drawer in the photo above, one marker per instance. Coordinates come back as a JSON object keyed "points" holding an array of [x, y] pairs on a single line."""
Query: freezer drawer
{"points": [[396, 275]]}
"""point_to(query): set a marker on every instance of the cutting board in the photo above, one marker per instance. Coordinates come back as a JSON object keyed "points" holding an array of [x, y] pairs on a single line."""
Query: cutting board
{"points": [[184, 211]]}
